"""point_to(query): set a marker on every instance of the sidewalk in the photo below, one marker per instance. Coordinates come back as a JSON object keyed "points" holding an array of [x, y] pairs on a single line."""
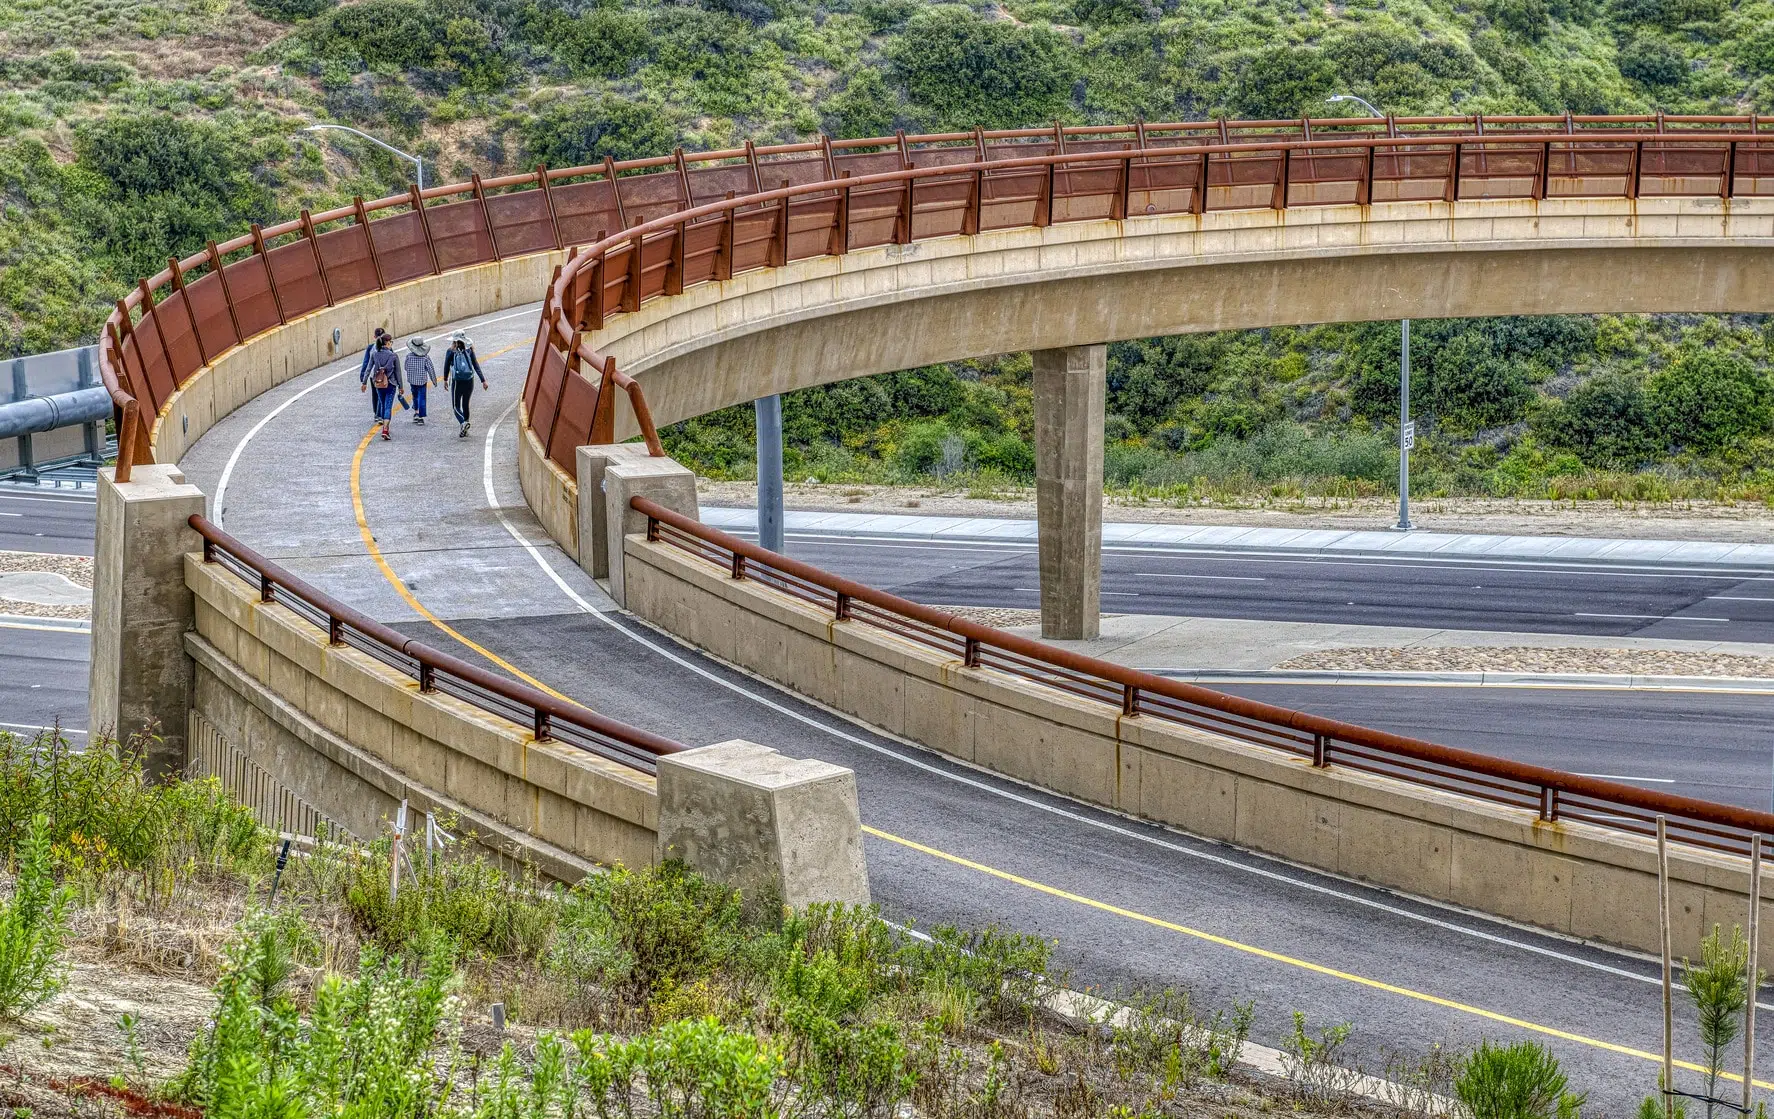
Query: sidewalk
{"points": [[1234, 538]]}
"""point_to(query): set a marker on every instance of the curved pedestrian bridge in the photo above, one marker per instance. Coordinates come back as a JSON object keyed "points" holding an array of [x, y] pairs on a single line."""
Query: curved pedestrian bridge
{"points": [[379, 622]]}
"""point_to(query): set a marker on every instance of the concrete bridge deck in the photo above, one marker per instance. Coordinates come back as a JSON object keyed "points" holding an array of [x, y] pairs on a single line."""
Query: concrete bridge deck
{"points": [[429, 533]]}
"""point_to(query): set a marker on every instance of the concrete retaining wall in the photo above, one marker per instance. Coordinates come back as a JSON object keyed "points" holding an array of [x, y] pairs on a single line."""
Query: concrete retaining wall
{"points": [[1570, 878], [352, 737]]}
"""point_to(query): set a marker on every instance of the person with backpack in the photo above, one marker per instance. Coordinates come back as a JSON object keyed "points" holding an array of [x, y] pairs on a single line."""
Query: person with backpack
{"points": [[383, 376], [369, 352], [461, 367], [421, 374]]}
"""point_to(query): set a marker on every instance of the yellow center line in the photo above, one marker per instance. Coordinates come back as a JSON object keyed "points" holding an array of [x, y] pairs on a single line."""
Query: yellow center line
{"points": [[369, 543], [1292, 961]]}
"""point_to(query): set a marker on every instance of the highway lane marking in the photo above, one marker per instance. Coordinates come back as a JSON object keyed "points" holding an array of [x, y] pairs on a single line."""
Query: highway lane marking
{"points": [[29, 727], [1736, 598], [369, 543], [1176, 575], [220, 503], [8, 623], [1596, 569], [1347, 681], [46, 499], [1639, 780], [1291, 961], [11, 514], [1144, 836], [1655, 617]]}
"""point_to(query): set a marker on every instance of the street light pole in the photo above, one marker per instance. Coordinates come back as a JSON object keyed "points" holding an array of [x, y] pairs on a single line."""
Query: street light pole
{"points": [[1407, 432], [418, 164]]}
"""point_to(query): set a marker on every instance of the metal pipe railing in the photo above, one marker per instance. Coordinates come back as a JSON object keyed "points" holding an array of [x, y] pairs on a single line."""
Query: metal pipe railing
{"points": [[1549, 793], [545, 716]]}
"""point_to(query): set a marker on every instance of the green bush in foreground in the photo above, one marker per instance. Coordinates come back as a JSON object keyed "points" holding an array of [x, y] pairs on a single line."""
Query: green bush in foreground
{"points": [[33, 928], [1520, 1081]]}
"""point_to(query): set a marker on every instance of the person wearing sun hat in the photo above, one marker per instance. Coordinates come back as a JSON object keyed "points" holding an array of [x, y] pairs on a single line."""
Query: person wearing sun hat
{"points": [[461, 367], [420, 374]]}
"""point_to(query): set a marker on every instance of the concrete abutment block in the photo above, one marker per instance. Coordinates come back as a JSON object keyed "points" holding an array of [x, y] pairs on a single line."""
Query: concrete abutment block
{"points": [[141, 609], [748, 817], [1071, 387], [658, 479], [594, 536]]}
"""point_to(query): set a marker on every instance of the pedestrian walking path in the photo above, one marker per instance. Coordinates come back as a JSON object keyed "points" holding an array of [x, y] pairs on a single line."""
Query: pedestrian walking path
{"points": [[1236, 538]]}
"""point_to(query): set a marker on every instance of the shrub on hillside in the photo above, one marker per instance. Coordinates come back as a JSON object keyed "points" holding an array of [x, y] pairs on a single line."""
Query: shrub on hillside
{"points": [[289, 11], [1606, 420], [1708, 401], [960, 69], [576, 131], [33, 928]]}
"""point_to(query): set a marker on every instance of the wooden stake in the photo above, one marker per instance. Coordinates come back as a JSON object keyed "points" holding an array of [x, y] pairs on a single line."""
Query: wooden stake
{"points": [[1668, 996], [1749, 1006]]}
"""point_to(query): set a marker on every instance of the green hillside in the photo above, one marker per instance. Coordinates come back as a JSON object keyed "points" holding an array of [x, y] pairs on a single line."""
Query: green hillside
{"points": [[133, 129]]}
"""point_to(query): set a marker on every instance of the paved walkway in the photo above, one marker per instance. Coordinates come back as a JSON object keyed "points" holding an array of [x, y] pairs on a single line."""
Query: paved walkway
{"points": [[1314, 541]]}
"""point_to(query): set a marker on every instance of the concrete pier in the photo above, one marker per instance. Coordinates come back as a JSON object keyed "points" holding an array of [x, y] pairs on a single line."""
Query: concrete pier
{"points": [[1070, 388]]}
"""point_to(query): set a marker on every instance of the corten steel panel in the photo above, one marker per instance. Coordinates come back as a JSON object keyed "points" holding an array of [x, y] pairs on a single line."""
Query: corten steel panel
{"points": [[1164, 184], [1499, 171], [346, 254], [1411, 175], [298, 280], [1085, 193], [1755, 170], [572, 422], [711, 184], [585, 210], [459, 230], [615, 277], [554, 371], [214, 325], [940, 207], [874, 213], [702, 247], [752, 233], [1325, 180], [134, 377], [160, 378], [866, 163], [656, 253], [250, 285], [1009, 199], [1676, 169], [1588, 171], [799, 170], [520, 219], [181, 342], [810, 224], [944, 157], [649, 196], [532, 384], [400, 247]]}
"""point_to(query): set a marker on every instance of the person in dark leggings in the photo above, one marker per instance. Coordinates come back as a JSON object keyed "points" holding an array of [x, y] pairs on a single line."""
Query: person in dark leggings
{"points": [[461, 368]]}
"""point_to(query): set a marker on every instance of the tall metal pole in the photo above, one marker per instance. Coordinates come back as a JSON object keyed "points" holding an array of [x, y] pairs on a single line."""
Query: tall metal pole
{"points": [[1407, 434], [418, 164], [769, 409]]}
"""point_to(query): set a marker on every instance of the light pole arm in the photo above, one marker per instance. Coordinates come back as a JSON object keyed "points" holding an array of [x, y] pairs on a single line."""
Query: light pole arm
{"points": [[418, 164]]}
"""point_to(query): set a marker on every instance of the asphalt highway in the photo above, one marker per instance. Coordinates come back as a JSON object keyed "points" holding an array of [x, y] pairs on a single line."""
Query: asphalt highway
{"points": [[1694, 604], [46, 521], [43, 674]]}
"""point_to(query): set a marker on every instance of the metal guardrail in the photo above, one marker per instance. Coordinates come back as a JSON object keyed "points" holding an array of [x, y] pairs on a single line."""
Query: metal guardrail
{"points": [[684, 218], [544, 716], [1552, 795]]}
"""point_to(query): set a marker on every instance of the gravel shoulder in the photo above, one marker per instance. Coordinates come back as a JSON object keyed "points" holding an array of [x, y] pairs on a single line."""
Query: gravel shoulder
{"points": [[1611, 662], [1686, 520], [76, 569]]}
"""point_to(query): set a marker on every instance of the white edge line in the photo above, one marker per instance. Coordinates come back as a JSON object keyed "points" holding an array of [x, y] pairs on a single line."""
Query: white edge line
{"points": [[29, 727], [1029, 802]]}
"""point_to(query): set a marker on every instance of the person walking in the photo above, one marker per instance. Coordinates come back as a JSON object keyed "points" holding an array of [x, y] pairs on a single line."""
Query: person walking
{"points": [[383, 378], [421, 374], [461, 368], [369, 352]]}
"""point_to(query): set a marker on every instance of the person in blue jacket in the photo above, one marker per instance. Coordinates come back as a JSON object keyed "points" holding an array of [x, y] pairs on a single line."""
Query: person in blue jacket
{"points": [[369, 352], [383, 375]]}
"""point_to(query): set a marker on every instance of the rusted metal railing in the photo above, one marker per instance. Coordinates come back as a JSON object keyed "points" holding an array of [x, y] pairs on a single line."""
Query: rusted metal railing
{"points": [[655, 226], [1550, 795], [544, 716]]}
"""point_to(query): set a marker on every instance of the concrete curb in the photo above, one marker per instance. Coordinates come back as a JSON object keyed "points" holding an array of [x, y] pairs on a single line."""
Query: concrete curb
{"points": [[32, 621], [1750, 684]]}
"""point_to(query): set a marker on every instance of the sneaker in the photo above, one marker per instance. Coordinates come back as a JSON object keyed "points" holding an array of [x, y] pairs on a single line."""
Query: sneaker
{"points": [[465, 429], [463, 434], [385, 434], [418, 419]]}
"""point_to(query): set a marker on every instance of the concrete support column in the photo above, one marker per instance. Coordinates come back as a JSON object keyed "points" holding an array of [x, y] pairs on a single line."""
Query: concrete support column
{"points": [[746, 816], [658, 479], [769, 413], [141, 609], [594, 535], [1070, 389]]}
